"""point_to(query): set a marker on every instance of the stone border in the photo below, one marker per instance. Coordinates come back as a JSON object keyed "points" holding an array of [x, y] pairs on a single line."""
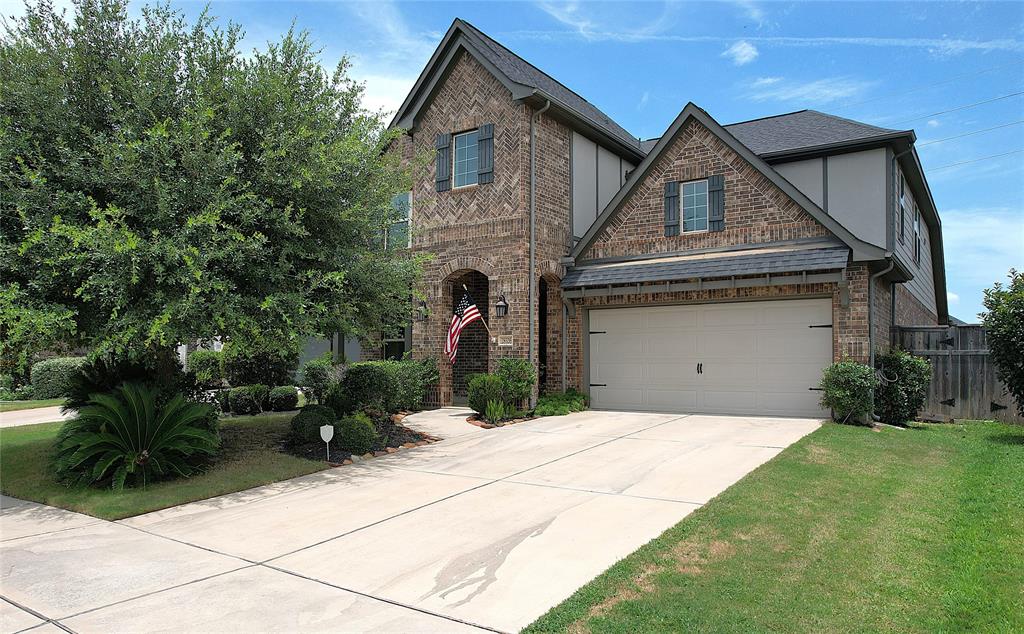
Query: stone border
{"points": [[397, 420]]}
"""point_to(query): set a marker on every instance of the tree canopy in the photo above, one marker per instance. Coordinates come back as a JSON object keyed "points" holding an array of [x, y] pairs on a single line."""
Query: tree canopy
{"points": [[159, 186]]}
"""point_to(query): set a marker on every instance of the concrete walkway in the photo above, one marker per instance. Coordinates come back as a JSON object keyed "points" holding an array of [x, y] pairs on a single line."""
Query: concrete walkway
{"points": [[483, 531], [32, 416]]}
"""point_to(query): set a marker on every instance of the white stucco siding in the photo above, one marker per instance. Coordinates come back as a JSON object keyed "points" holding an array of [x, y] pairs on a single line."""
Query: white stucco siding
{"points": [[857, 193]]}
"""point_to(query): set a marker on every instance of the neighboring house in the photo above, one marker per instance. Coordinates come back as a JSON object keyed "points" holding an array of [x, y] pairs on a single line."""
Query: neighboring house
{"points": [[631, 268]]}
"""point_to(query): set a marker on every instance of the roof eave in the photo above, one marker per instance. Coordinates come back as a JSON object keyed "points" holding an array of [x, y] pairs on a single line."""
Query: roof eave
{"points": [[586, 126], [852, 145]]}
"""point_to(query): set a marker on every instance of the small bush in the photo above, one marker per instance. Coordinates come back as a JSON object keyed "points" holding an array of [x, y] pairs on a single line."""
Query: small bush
{"points": [[223, 398], [355, 434], [318, 377], [497, 411], [482, 389], [560, 404], [367, 385], [415, 378], [307, 423], [23, 393], [848, 388], [248, 399], [283, 398], [127, 438], [1004, 327], [160, 371], [51, 378], [518, 376], [208, 368], [246, 365], [903, 386]]}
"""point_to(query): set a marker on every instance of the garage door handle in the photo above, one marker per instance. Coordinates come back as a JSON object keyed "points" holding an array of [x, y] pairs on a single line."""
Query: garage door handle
{"points": [[821, 326], [816, 389], [598, 385], [700, 368]]}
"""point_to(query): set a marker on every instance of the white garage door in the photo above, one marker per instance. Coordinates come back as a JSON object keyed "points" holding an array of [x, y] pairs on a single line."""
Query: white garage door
{"points": [[732, 358]]}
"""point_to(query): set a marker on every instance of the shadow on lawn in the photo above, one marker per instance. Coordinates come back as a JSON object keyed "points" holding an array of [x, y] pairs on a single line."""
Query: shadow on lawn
{"points": [[1008, 439]]}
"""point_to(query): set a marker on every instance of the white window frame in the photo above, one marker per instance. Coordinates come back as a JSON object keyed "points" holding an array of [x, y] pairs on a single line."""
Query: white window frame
{"points": [[682, 206], [455, 158], [403, 338], [407, 221], [903, 209], [917, 235]]}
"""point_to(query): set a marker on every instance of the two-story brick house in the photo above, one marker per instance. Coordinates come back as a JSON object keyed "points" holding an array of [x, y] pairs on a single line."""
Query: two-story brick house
{"points": [[714, 269]]}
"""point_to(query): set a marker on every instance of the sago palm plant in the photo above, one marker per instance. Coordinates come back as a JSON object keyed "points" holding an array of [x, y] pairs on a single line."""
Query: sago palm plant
{"points": [[125, 437]]}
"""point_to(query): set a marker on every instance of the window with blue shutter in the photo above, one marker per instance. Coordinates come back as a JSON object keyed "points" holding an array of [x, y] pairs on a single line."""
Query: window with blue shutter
{"points": [[672, 208], [443, 148], [716, 202], [485, 154]]}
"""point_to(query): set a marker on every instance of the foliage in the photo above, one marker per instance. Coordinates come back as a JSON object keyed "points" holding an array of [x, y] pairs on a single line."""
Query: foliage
{"points": [[161, 184], [484, 388], [305, 426], [1004, 327], [248, 399], [519, 376], [497, 411], [21, 393], [355, 434], [560, 404], [247, 364], [318, 376], [414, 378], [848, 388], [208, 367], [385, 386], [52, 378], [159, 370], [127, 438], [283, 398], [902, 386]]}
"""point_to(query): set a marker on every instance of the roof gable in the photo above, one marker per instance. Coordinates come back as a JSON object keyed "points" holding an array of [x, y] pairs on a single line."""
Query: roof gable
{"points": [[861, 250], [524, 81]]}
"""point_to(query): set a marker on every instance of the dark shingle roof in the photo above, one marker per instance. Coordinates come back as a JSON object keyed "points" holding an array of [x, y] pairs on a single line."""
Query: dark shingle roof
{"points": [[803, 129], [672, 269], [523, 72]]}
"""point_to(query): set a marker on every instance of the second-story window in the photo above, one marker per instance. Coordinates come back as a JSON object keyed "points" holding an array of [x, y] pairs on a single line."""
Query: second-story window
{"points": [[397, 235], [917, 235], [464, 171], [695, 206], [903, 208]]}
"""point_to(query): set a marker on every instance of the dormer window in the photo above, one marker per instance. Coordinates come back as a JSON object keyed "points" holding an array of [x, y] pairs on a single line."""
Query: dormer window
{"points": [[464, 171]]}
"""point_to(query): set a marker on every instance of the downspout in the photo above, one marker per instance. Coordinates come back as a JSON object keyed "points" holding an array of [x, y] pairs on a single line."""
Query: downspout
{"points": [[533, 229]]}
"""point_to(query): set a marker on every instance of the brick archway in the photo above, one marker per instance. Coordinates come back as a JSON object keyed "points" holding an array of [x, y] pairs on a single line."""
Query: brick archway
{"points": [[474, 343]]}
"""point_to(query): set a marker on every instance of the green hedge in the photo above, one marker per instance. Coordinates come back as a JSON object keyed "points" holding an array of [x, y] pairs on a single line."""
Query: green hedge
{"points": [[355, 434], [484, 388], [52, 378], [385, 386], [306, 424], [254, 366], [903, 386], [208, 367], [560, 404], [248, 399], [283, 398], [847, 390], [318, 377]]}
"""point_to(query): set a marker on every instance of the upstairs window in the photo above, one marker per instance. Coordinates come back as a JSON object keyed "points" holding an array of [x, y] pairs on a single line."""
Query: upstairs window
{"points": [[695, 206], [903, 209], [466, 155], [917, 235], [397, 235]]}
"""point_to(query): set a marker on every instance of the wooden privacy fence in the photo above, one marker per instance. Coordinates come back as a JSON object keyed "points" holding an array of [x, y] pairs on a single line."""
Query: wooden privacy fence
{"points": [[964, 383]]}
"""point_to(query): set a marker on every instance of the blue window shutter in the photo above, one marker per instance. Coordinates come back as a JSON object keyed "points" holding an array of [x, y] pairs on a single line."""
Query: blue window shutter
{"points": [[443, 176], [485, 154], [716, 202], [672, 208]]}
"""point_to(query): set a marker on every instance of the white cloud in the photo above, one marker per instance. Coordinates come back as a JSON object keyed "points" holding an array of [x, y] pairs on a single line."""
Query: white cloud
{"points": [[599, 21], [817, 91], [981, 244], [933, 123], [742, 52], [644, 99], [752, 11], [952, 298]]}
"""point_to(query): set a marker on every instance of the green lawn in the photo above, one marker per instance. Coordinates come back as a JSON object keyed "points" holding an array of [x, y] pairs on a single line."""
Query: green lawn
{"points": [[848, 530], [14, 406], [249, 458]]}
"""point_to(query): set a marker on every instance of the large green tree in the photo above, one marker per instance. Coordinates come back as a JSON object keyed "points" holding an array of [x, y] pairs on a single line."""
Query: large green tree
{"points": [[159, 186], [1004, 325]]}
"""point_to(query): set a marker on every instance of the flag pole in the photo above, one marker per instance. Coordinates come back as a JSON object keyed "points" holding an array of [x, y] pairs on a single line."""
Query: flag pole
{"points": [[482, 321]]}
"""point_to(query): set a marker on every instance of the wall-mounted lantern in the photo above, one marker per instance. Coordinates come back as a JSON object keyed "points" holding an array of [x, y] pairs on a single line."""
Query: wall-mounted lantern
{"points": [[501, 306], [422, 312]]}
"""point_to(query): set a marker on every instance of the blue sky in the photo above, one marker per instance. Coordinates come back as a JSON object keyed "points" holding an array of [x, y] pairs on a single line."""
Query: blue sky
{"points": [[892, 64]]}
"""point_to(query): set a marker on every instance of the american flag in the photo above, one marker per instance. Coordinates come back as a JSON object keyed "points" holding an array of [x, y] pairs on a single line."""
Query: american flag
{"points": [[465, 313]]}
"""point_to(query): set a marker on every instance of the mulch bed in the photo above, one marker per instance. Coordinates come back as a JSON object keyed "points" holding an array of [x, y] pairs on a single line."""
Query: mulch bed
{"points": [[394, 437]]}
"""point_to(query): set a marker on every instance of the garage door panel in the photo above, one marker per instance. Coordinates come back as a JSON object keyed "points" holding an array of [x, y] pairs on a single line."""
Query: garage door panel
{"points": [[758, 357]]}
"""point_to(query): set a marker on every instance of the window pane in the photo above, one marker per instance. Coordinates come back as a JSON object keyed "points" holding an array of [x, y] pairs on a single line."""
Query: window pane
{"points": [[695, 206], [398, 235], [465, 159], [400, 203]]}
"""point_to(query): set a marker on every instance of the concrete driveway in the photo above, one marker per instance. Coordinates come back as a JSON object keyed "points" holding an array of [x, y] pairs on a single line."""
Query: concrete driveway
{"points": [[484, 531], [32, 416]]}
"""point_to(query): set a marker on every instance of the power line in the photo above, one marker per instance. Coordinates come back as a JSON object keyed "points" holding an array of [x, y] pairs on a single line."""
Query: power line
{"points": [[959, 136], [982, 158], [958, 108], [925, 86]]}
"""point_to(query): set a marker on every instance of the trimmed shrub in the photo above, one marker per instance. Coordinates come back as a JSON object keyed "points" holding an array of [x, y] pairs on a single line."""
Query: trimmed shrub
{"points": [[208, 368], [518, 376], [248, 399], [848, 388], [307, 423], [902, 387], [318, 377], [560, 404], [51, 378], [367, 385], [415, 378], [254, 366], [355, 434], [1004, 327], [484, 388], [283, 398], [127, 438]]}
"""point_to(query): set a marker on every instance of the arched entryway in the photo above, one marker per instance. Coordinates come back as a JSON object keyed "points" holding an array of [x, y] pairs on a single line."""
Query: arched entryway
{"points": [[549, 331], [474, 342]]}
